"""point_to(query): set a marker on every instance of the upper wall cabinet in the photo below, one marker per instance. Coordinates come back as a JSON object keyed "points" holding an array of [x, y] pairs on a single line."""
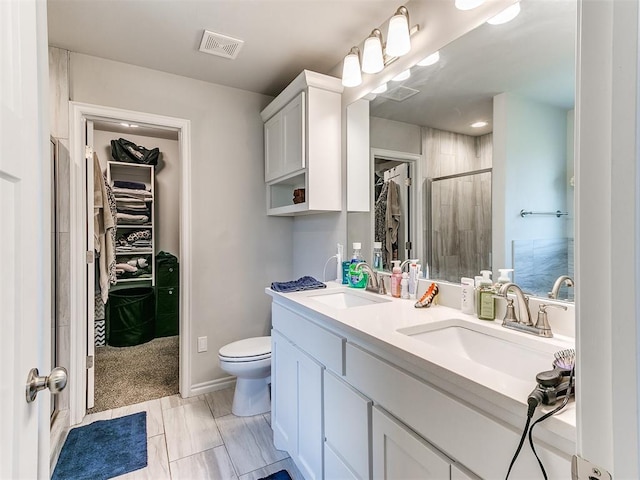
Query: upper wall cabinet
{"points": [[302, 145]]}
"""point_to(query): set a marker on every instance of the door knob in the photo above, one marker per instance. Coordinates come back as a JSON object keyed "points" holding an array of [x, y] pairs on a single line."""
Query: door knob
{"points": [[55, 382]]}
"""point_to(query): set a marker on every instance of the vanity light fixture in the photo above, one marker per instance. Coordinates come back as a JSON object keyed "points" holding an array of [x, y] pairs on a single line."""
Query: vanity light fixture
{"points": [[506, 15], [381, 89], [398, 37], [468, 4], [372, 59], [128, 125], [430, 60], [479, 124], [402, 76], [351, 76]]}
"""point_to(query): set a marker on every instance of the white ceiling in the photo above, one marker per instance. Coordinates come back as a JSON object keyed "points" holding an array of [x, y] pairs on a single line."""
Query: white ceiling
{"points": [[282, 37], [532, 56]]}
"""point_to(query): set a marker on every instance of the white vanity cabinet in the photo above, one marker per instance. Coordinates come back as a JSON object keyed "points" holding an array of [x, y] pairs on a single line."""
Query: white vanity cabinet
{"points": [[302, 145], [296, 405]]}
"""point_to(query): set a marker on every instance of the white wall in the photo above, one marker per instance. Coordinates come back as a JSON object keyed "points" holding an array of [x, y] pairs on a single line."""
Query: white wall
{"points": [[236, 249], [398, 136], [529, 172]]}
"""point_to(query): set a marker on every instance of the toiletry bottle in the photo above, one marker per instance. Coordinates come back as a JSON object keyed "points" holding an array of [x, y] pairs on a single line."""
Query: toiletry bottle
{"points": [[477, 280], [486, 308], [413, 277], [357, 279], [467, 295], [396, 278], [404, 285], [503, 278], [339, 257], [377, 255]]}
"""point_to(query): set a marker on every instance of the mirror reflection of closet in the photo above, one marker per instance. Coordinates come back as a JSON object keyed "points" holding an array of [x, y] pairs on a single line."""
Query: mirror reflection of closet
{"points": [[392, 211]]}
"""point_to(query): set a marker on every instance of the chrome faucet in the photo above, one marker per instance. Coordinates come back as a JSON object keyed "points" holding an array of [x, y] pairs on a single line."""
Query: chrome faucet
{"points": [[405, 262], [563, 279], [374, 284], [541, 328]]}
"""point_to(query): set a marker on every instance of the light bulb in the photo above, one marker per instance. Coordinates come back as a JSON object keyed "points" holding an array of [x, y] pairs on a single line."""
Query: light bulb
{"points": [[506, 15], [430, 60], [381, 89], [351, 76], [468, 4], [402, 76], [372, 61], [398, 41], [479, 124]]}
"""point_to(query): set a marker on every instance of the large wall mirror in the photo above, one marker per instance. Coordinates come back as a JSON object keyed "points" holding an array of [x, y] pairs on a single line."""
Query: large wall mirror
{"points": [[471, 157]]}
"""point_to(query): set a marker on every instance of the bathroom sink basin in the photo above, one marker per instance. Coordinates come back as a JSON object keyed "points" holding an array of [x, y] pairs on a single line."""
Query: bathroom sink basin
{"points": [[347, 299], [494, 349]]}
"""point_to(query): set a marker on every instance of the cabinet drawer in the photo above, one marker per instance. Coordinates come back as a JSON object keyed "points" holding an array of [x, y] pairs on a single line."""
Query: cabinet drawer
{"points": [[478, 442], [326, 347]]}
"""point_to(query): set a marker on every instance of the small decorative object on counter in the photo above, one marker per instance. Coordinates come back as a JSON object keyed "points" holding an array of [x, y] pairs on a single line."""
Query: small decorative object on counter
{"points": [[429, 297]]}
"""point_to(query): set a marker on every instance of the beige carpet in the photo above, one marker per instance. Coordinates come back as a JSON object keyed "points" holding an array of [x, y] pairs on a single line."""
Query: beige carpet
{"points": [[128, 375]]}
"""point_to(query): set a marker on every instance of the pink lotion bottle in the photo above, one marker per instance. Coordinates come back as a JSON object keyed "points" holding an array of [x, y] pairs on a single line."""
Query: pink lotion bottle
{"points": [[396, 279]]}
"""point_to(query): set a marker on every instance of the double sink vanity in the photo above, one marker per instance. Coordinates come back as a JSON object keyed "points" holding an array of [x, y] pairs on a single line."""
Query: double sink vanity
{"points": [[368, 386]]}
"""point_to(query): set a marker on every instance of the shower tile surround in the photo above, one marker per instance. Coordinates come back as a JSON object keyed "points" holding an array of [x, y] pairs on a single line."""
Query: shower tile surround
{"points": [[198, 437], [461, 236]]}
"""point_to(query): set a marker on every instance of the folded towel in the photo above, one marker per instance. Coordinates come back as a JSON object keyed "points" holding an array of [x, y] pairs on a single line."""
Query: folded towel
{"points": [[303, 283], [129, 185]]}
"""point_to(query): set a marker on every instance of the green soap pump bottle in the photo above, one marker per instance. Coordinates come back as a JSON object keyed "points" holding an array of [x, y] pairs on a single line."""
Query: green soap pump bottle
{"points": [[357, 279], [486, 305]]}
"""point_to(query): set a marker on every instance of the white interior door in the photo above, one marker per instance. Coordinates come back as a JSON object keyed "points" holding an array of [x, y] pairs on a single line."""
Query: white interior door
{"points": [[24, 240], [91, 266]]}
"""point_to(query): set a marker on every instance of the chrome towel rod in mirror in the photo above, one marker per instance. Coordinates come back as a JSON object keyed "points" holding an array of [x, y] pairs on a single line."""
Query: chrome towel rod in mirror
{"points": [[557, 213]]}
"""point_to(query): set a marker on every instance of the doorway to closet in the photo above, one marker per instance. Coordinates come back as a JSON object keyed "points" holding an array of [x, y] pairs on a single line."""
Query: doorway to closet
{"points": [[132, 321]]}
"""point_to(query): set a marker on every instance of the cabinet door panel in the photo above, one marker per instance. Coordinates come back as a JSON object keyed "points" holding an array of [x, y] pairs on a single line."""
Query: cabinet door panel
{"points": [[293, 125], [284, 394], [347, 424], [273, 152], [459, 473], [400, 453], [335, 468], [309, 417]]}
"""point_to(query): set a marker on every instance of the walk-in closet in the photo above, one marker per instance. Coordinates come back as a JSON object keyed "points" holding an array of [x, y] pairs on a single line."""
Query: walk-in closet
{"points": [[134, 325]]}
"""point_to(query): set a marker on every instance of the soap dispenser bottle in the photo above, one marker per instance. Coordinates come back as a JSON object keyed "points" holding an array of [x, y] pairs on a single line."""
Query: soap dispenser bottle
{"points": [[486, 307], [357, 279], [503, 278], [396, 279]]}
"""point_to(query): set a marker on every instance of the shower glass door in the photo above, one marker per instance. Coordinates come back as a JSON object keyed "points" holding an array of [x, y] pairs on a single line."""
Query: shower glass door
{"points": [[459, 225]]}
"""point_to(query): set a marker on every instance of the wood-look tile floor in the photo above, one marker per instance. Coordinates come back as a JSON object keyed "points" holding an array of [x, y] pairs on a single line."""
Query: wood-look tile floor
{"points": [[199, 438]]}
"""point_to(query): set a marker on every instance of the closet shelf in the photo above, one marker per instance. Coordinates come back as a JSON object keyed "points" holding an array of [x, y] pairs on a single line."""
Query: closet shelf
{"points": [[129, 280], [141, 227], [136, 252]]}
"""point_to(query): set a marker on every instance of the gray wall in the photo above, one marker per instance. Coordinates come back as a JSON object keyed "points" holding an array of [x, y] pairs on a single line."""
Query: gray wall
{"points": [[236, 249]]}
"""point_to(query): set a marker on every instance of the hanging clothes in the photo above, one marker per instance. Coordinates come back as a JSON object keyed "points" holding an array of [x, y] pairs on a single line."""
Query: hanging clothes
{"points": [[392, 220], [380, 213], [104, 229]]}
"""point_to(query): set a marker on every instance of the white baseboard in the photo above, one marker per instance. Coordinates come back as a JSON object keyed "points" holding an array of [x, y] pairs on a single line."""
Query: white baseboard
{"points": [[210, 386]]}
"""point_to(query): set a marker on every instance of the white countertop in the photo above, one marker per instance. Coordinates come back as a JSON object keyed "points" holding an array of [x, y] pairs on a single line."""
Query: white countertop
{"points": [[494, 392]]}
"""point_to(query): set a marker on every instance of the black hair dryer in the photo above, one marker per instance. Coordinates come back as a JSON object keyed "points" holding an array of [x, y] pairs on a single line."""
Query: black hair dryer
{"points": [[554, 384]]}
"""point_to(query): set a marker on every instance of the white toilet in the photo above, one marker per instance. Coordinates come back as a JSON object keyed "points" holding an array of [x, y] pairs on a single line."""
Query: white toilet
{"points": [[250, 361]]}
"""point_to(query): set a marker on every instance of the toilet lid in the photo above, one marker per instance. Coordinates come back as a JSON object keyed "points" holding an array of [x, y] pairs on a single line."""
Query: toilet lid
{"points": [[255, 348]]}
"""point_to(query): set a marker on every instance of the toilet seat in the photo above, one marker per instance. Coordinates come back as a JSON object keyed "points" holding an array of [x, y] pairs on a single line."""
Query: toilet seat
{"points": [[247, 350]]}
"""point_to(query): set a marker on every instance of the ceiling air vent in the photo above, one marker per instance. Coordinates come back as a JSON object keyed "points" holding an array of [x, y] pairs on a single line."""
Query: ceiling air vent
{"points": [[400, 94], [220, 45]]}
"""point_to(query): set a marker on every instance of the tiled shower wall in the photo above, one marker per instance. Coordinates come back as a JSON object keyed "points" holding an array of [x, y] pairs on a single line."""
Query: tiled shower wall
{"points": [[461, 207]]}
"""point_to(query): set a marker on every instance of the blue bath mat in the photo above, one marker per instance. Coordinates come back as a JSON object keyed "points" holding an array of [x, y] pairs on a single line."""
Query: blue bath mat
{"points": [[281, 475], [104, 449]]}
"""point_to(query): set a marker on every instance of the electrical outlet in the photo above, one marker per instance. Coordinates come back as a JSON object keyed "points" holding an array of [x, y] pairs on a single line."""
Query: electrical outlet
{"points": [[202, 344]]}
